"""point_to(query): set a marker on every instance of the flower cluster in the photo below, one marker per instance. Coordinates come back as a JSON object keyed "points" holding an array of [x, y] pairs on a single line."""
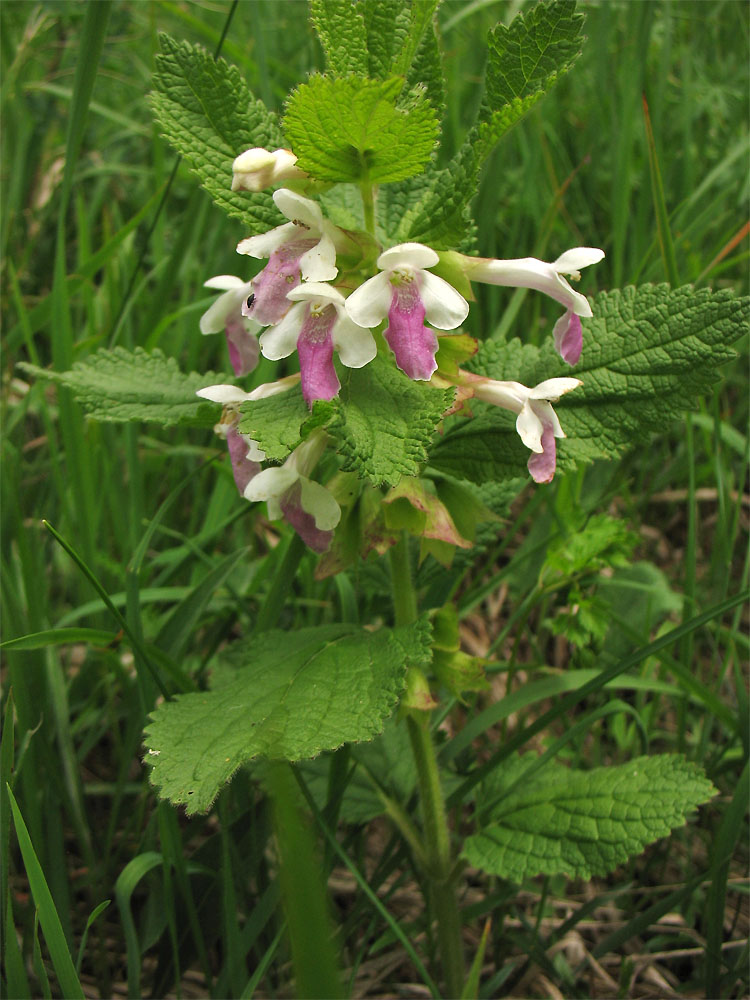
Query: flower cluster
{"points": [[301, 302]]}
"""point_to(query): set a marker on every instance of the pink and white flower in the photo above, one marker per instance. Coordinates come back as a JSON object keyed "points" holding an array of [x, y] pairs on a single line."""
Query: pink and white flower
{"points": [[244, 453], [537, 422], [316, 323], [226, 314], [257, 168], [528, 272], [289, 492], [407, 293], [303, 249]]}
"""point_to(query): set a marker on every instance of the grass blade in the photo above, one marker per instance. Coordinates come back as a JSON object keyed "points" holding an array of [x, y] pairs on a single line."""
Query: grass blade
{"points": [[674, 635], [722, 848], [53, 932]]}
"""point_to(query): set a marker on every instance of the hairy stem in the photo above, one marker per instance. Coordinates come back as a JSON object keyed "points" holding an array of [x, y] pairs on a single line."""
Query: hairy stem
{"points": [[437, 860]]}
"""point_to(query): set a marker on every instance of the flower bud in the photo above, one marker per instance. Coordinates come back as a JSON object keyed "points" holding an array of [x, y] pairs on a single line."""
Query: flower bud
{"points": [[257, 169]]}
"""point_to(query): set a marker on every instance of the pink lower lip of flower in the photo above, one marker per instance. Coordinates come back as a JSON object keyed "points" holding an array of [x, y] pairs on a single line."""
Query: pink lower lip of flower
{"points": [[280, 275], [244, 470], [315, 351], [569, 337], [542, 465], [302, 522], [242, 346], [413, 344]]}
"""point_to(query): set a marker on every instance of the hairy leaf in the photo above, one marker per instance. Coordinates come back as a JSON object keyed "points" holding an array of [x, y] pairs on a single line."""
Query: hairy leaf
{"points": [[285, 695], [207, 113], [118, 385], [385, 421], [350, 130], [648, 352], [586, 823], [279, 423], [341, 30], [524, 61]]}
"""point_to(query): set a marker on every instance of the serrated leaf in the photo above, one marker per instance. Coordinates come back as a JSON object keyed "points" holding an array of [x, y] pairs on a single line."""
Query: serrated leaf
{"points": [[385, 421], [340, 25], [279, 423], [586, 823], [524, 61], [285, 695], [208, 114], [648, 352], [118, 385], [350, 130]]}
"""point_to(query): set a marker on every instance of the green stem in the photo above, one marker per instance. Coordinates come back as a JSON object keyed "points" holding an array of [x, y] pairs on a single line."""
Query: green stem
{"points": [[438, 851], [404, 598], [437, 845], [368, 203]]}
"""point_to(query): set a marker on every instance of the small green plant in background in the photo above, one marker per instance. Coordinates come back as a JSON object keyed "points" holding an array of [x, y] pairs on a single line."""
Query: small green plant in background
{"points": [[391, 451]]}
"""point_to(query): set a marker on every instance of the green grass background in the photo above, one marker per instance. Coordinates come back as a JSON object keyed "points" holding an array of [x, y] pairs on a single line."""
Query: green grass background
{"points": [[101, 245]]}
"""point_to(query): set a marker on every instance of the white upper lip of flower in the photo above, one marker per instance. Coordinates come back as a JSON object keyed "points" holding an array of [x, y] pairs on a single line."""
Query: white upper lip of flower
{"points": [[354, 344], [271, 484], [529, 272], [445, 308], [235, 292], [232, 395], [533, 406], [258, 168], [316, 264]]}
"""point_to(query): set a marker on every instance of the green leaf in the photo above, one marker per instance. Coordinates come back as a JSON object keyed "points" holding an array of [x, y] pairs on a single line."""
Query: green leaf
{"points": [[340, 25], [279, 423], [207, 113], [648, 352], [350, 130], [524, 61], [586, 823], [283, 695], [118, 385], [385, 421]]}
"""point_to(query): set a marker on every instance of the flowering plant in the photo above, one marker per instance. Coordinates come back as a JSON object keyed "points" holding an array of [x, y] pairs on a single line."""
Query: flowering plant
{"points": [[397, 428]]}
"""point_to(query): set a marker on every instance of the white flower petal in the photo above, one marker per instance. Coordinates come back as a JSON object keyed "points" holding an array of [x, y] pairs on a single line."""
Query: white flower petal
{"points": [[270, 483], [573, 260], [254, 453], [571, 299], [281, 340], [444, 307], [530, 428], [368, 305], [312, 291], [223, 394], [319, 502], [275, 512], [273, 388], [213, 319], [264, 244], [355, 345], [553, 388], [224, 282], [415, 255], [297, 208], [319, 262], [509, 395], [547, 416]]}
